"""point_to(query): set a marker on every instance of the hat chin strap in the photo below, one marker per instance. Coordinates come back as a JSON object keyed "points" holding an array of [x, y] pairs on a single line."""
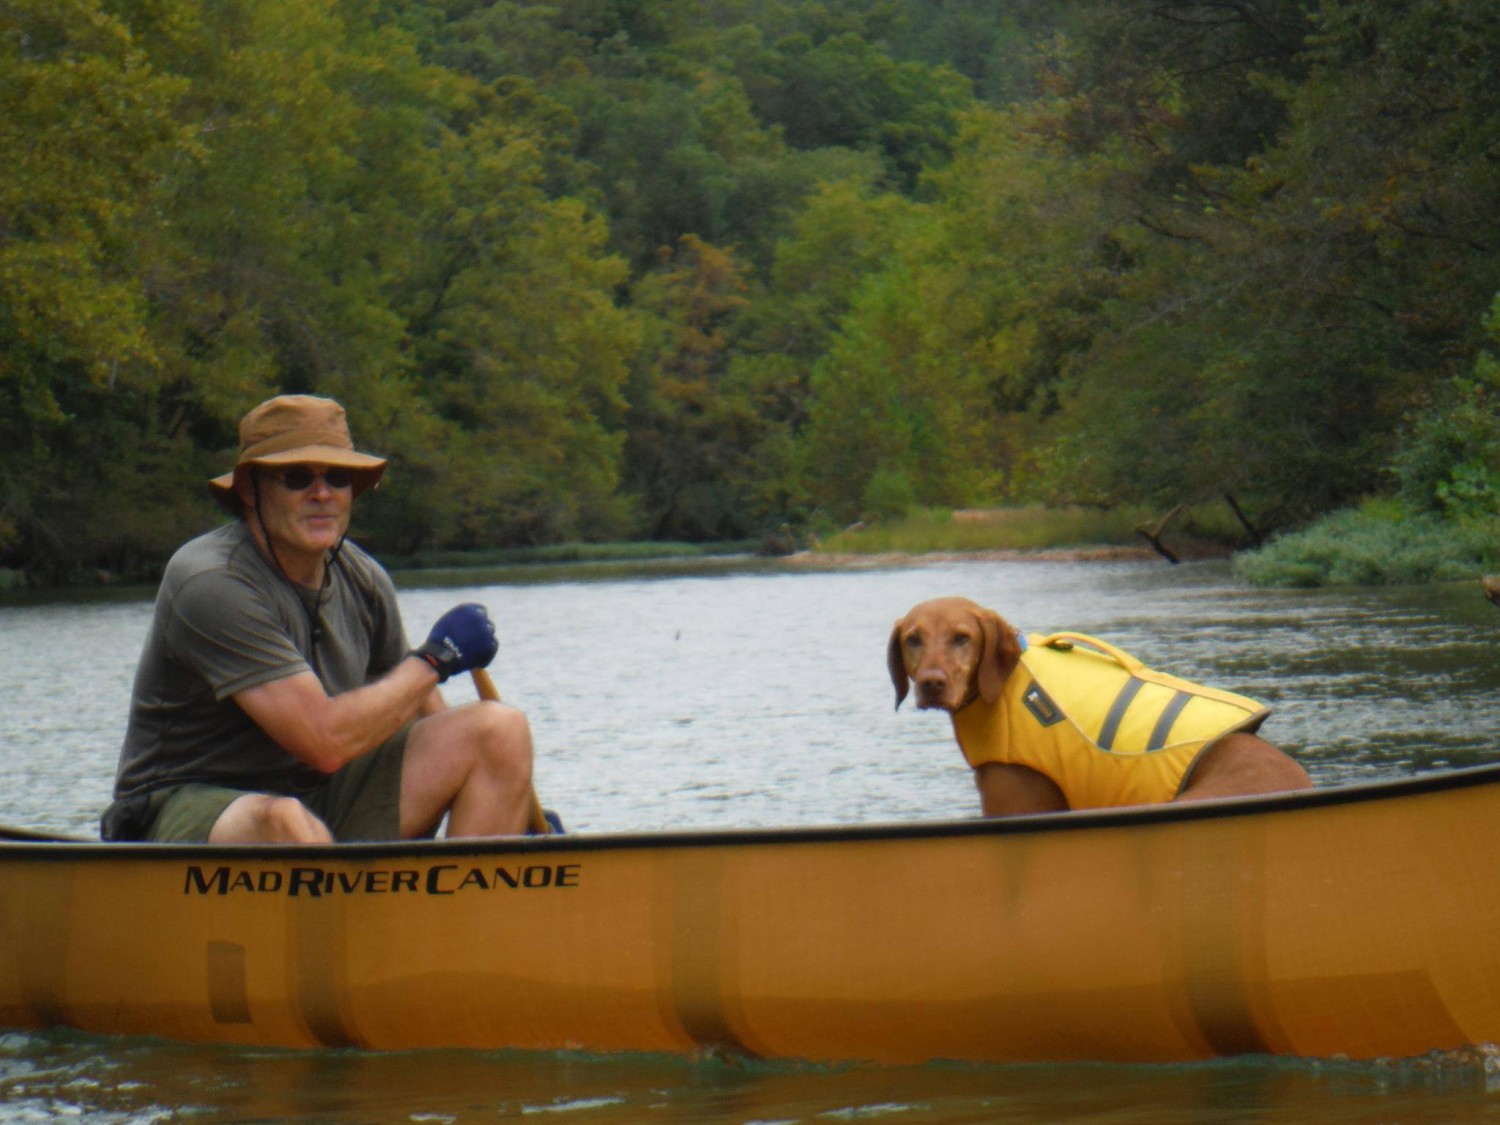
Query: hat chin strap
{"points": [[314, 626]]}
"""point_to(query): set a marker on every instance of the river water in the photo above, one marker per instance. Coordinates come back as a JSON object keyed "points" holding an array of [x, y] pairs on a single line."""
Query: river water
{"points": [[758, 696]]}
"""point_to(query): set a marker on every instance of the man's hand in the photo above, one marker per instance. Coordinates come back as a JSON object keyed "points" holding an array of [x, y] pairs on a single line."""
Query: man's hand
{"points": [[463, 638]]}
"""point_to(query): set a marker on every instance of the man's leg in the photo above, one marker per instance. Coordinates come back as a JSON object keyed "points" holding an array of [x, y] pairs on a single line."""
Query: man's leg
{"points": [[195, 814], [472, 762], [257, 818]]}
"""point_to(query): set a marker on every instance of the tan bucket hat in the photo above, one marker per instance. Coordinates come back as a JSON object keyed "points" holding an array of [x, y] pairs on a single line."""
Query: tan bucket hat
{"points": [[296, 430]]}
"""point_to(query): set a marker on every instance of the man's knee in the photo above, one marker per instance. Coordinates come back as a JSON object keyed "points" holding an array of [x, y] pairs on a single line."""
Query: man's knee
{"points": [[487, 742], [260, 819], [504, 741], [287, 820]]}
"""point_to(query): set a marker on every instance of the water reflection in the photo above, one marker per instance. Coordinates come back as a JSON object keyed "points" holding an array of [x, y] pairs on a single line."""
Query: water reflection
{"points": [[62, 1076]]}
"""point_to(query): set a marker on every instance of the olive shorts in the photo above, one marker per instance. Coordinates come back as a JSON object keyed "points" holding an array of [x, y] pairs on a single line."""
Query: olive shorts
{"points": [[361, 801]]}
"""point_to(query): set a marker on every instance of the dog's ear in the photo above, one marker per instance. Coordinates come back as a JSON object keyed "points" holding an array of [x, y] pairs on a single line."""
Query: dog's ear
{"points": [[897, 664], [1002, 652]]}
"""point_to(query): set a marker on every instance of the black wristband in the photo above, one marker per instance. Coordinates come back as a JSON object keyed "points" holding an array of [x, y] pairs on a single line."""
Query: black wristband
{"points": [[424, 653]]}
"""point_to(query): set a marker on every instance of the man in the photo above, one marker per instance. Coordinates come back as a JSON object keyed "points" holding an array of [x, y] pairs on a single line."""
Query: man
{"points": [[277, 699]]}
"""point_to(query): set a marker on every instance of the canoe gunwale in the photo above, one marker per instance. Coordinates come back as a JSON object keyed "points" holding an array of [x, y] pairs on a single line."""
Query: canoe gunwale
{"points": [[30, 844]]}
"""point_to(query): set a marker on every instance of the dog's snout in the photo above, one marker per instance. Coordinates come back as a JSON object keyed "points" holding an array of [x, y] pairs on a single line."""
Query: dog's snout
{"points": [[932, 687]]}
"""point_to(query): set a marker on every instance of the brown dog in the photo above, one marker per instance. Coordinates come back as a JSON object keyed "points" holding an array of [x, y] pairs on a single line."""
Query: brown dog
{"points": [[959, 654]]}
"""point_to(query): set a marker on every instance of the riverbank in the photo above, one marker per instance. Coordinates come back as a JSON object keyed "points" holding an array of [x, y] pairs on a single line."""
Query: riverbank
{"points": [[1034, 531], [1378, 543], [844, 560], [1017, 534], [1374, 545]]}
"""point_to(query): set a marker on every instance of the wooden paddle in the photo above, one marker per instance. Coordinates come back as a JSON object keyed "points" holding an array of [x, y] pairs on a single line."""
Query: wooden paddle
{"points": [[536, 821]]}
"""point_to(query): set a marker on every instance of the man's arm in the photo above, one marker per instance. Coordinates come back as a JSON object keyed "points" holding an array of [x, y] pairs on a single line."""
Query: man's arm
{"points": [[327, 731], [432, 704]]}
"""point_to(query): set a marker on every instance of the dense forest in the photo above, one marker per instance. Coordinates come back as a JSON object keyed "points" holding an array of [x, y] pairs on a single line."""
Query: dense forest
{"points": [[694, 269]]}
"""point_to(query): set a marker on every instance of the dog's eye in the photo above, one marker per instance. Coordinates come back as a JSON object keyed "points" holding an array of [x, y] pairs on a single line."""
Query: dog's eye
{"points": [[913, 641], [960, 640]]}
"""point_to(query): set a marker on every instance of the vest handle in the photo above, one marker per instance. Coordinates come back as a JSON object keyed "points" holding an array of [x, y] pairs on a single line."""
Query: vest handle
{"points": [[1119, 656]]}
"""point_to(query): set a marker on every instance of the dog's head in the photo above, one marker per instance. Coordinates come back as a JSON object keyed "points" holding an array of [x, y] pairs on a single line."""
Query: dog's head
{"points": [[954, 650]]}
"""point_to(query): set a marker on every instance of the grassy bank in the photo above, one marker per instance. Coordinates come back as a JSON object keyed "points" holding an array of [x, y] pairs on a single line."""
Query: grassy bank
{"points": [[1192, 533], [560, 553], [1377, 544], [567, 561]]}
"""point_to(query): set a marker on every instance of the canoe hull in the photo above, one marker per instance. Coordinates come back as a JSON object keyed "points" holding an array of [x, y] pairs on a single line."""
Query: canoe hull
{"points": [[1358, 924]]}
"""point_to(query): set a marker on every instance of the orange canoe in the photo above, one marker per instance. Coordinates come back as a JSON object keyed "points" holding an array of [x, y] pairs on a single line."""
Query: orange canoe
{"points": [[1360, 922]]}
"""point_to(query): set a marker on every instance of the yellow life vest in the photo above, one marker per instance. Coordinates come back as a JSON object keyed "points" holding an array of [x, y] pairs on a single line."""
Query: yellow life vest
{"points": [[1106, 729]]}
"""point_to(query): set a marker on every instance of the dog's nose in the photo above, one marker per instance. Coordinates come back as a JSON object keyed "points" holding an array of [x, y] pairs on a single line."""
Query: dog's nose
{"points": [[931, 684]]}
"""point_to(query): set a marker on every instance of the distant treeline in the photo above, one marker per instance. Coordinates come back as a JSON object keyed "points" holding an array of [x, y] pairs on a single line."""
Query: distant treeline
{"points": [[697, 269]]}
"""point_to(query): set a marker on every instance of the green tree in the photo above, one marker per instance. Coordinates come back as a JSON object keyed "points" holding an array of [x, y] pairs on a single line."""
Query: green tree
{"points": [[688, 435], [842, 234], [1449, 460], [1291, 293], [890, 415], [365, 225], [521, 356], [86, 131], [844, 91]]}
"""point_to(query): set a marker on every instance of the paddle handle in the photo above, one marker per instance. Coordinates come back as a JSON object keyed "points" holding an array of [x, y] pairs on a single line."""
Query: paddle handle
{"points": [[536, 822], [484, 685]]}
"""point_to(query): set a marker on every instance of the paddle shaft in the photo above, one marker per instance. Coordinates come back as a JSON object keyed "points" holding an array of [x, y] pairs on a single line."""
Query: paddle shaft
{"points": [[536, 823]]}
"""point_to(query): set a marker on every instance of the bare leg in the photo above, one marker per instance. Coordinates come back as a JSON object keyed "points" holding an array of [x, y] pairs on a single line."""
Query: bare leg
{"points": [[257, 818], [472, 762]]}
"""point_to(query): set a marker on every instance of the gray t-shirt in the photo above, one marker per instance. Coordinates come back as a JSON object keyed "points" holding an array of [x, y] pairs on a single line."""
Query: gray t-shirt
{"points": [[226, 620]]}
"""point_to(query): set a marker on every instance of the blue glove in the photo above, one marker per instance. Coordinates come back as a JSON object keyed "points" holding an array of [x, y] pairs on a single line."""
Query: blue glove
{"points": [[463, 638]]}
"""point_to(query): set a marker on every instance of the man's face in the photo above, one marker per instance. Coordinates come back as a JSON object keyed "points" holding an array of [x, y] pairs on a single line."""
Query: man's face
{"points": [[304, 508]]}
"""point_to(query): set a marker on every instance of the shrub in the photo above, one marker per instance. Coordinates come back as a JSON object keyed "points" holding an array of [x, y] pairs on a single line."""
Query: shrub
{"points": [[1377, 545], [889, 494], [1450, 461]]}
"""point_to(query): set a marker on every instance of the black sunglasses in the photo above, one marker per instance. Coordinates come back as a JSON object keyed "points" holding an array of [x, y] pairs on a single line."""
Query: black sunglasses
{"points": [[299, 478]]}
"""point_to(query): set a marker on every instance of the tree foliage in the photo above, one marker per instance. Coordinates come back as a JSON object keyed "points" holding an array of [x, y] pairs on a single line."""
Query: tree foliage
{"points": [[635, 268]]}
